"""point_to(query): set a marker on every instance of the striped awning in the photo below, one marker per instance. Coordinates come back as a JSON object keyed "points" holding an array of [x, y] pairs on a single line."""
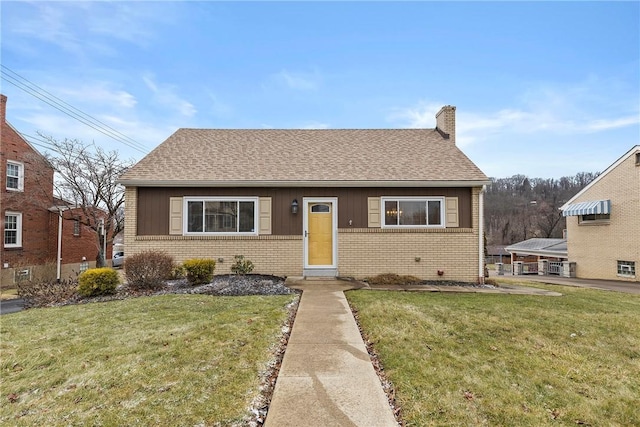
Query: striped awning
{"points": [[588, 208]]}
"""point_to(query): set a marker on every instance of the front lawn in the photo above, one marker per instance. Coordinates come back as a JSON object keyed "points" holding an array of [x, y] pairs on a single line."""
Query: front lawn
{"points": [[164, 360], [484, 359]]}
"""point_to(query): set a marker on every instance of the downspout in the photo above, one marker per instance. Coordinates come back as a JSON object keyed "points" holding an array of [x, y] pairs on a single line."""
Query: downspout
{"points": [[481, 235], [59, 259]]}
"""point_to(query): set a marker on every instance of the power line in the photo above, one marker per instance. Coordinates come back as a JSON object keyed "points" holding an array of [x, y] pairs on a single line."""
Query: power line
{"points": [[31, 88], [48, 145]]}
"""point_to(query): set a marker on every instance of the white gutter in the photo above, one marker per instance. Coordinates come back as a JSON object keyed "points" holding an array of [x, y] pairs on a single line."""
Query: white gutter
{"points": [[481, 235], [244, 183]]}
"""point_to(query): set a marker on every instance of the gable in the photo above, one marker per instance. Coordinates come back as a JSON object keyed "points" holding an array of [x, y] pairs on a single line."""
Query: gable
{"points": [[624, 174]]}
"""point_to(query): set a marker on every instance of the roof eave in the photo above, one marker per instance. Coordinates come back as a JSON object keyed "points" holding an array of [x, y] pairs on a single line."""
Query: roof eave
{"points": [[244, 183], [615, 164]]}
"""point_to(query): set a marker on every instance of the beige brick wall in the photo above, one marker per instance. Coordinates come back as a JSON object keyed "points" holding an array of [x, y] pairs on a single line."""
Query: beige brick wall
{"points": [[361, 252], [597, 248], [278, 255], [369, 253]]}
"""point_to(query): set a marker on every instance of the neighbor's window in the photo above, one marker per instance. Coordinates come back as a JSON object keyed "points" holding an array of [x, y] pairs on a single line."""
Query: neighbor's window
{"points": [[626, 268], [76, 227], [222, 216], [595, 218], [422, 212], [12, 230], [15, 177]]}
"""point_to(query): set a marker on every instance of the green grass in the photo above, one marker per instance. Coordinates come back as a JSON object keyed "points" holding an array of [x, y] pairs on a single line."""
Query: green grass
{"points": [[166, 360], [483, 359]]}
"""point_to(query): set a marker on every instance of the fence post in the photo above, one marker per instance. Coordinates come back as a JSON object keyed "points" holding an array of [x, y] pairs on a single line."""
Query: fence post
{"points": [[517, 268], [543, 267]]}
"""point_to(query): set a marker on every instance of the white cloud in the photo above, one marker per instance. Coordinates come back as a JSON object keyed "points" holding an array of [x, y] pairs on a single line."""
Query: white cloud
{"points": [[84, 28], [572, 110], [314, 125], [298, 80], [166, 95], [217, 107], [98, 93]]}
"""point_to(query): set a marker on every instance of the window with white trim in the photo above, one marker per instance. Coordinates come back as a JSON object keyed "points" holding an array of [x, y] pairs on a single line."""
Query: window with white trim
{"points": [[15, 176], [12, 230], [627, 268], [214, 215], [420, 212]]}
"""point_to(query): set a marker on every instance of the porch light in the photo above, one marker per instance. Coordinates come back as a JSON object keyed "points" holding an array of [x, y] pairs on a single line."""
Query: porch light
{"points": [[294, 206]]}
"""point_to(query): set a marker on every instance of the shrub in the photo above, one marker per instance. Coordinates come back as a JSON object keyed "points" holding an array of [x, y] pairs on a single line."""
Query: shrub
{"points": [[199, 270], [98, 281], [177, 272], [148, 269], [241, 266], [40, 293], [390, 279]]}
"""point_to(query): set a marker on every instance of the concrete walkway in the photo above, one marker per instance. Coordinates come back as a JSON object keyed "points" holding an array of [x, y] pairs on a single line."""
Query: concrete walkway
{"points": [[326, 378]]}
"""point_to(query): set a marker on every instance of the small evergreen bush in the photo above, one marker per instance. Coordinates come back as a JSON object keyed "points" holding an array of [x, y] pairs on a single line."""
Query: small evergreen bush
{"points": [[98, 281], [148, 269], [199, 270], [177, 272], [241, 265]]}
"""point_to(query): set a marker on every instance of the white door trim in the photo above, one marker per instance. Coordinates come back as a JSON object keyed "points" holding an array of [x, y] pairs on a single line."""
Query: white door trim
{"points": [[305, 228]]}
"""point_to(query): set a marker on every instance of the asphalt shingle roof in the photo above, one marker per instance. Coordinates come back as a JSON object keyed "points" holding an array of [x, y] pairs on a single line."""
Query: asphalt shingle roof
{"points": [[216, 156]]}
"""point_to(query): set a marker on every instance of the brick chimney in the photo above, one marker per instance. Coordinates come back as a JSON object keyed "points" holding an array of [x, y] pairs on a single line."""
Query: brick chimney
{"points": [[3, 108], [446, 122]]}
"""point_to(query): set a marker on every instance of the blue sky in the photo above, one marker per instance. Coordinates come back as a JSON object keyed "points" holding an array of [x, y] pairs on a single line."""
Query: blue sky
{"points": [[545, 89]]}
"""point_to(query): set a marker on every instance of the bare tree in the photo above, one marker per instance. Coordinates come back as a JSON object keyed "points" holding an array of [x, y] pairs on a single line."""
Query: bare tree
{"points": [[519, 208], [86, 175]]}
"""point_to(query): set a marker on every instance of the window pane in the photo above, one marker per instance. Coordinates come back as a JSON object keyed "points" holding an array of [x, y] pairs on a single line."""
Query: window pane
{"points": [[13, 174], [10, 229], [194, 218], [220, 217], [434, 213], [247, 217], [413, 213], [13, 170], [321, 209], [391, 213]]}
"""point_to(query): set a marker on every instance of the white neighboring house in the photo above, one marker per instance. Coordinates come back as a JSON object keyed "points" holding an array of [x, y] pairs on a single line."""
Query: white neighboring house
{"points": [[603, 223]]}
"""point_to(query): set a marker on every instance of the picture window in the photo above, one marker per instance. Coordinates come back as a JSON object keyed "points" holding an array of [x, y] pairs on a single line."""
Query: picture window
{"points": [[221, 216], [413, 213]]}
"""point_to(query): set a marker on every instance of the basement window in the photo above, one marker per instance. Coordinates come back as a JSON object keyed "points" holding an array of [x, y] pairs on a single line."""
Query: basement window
{"points": [[626, 268]]}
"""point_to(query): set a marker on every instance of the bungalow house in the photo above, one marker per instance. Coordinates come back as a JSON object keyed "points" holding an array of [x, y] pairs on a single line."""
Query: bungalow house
{"points": [[603, 222], [32, 215], [348, 202]]}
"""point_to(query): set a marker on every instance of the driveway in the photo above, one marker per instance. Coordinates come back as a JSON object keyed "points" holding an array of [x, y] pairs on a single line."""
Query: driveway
{"points": [[607, 285], [11, 306]]}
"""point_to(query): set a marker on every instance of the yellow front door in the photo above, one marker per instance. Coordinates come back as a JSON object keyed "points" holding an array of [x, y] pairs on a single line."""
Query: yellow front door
{"points": [[320, 221]]}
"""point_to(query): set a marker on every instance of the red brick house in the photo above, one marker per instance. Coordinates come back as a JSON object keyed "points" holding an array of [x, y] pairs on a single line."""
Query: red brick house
{"points": [[31, 213]]}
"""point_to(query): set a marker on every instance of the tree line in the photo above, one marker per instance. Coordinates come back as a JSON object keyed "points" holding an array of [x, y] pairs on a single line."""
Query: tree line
{"points": [[519, 208]]}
